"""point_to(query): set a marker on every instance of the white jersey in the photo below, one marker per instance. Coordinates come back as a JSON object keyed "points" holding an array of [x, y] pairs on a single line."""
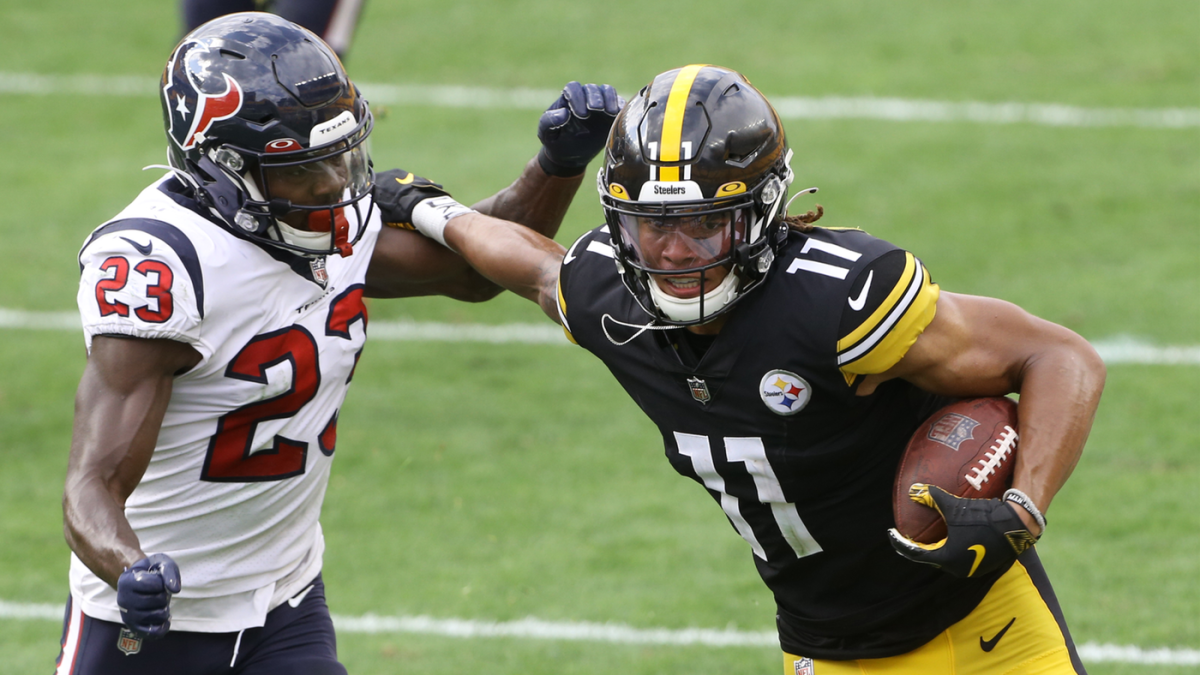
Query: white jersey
{"points": [[234, 488]]}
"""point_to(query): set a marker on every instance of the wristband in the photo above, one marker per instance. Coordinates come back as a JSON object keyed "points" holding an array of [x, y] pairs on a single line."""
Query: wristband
{"points": [[557, 169], [431, 216], [1021, 499]]}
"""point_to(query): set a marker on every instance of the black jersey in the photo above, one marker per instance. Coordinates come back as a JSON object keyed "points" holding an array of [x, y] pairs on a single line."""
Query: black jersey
{"points": [[766, 418]]}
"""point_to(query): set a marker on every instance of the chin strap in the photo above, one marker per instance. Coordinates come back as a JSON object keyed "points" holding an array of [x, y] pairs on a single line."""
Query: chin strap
{"points": [[321, 222], [641, 329], [679, 309]]}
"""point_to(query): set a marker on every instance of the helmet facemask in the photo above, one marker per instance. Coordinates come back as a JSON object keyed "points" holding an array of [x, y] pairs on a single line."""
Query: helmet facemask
{"points": [[683, 255], [284, 188], [693, 187]]}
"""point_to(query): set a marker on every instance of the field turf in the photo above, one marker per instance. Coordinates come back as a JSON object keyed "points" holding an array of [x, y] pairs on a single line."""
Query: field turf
{"points": [[498, 482]]}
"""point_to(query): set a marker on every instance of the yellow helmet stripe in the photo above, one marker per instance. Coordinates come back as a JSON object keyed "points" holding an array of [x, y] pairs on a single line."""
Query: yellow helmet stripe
{"points": [[672, 129]]}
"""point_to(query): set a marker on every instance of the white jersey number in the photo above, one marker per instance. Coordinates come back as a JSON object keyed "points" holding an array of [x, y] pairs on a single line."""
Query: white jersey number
{"points": [[751, 452]]}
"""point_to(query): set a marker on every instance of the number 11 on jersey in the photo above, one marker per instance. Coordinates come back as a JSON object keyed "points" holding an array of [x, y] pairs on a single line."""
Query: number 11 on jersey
{"points": [[753, 454]]}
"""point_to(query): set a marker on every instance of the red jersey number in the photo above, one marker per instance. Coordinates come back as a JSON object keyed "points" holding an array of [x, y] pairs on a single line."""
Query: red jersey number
{"points": [[229, 457], [159, 293], [117, 282]]}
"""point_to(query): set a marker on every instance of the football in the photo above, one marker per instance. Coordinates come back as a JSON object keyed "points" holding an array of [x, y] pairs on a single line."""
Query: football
{"points": [[968, 449]]}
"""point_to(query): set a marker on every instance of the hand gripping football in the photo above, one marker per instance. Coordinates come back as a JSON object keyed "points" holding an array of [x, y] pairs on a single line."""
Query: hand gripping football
{"points": [[967, 448]]}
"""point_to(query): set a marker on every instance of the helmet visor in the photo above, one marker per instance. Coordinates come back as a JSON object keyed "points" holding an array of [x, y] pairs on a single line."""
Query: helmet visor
{"points": [[683, 241], [319, 178]]}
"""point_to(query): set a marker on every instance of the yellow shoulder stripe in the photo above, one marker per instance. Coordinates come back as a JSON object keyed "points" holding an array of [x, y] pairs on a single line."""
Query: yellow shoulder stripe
{"points": [[902, 335], [562, 312], [910, 266]]}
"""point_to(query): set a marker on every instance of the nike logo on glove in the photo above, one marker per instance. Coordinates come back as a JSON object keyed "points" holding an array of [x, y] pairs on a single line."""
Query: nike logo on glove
{"points": [[856, 304], [979, 551], [144, 249], [299, 598], [989, 645]]}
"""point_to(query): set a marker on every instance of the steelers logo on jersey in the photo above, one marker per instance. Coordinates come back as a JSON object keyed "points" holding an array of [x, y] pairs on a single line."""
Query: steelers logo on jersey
{"points": [[784, 393]]}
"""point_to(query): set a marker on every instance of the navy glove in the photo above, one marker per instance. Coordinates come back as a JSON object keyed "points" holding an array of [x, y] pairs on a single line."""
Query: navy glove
{"points": [[982, 535], [397, 193], [575, 127], [144, 595]]}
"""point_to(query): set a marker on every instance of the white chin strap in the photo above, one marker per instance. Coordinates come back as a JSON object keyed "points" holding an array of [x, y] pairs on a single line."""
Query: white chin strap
{"points": [[688, 309], [311, 240]]}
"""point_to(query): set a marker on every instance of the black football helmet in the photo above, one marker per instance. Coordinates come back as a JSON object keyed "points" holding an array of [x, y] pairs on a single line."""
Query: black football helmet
{"points": [[251, 98], [697, 172]]}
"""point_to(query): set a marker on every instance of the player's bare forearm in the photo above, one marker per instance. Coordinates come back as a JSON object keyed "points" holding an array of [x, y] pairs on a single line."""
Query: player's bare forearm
{"points": [[986, 347], [406, 264], [1060, 389], [536, 200], [511, 256], [119, 408]]}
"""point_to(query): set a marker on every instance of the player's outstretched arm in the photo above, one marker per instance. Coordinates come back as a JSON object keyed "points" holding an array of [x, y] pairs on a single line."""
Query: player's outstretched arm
{"points": [[977, 346], [511, 256], [119, 409], [572, 131]]}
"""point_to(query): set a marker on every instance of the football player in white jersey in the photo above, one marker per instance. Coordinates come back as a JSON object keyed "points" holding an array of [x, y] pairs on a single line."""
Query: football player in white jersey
{"points": [[787, 365], [223, 313]]}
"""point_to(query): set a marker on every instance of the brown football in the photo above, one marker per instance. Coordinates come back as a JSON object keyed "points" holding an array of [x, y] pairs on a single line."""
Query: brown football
{"points": [[967, 448]]}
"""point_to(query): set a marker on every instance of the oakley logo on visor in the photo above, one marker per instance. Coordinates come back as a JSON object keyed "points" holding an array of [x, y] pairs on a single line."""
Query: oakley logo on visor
{"points": [[284, 145]]}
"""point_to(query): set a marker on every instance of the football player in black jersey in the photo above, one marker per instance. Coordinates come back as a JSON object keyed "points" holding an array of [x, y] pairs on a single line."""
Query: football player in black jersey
{"points": [[786, 366]]}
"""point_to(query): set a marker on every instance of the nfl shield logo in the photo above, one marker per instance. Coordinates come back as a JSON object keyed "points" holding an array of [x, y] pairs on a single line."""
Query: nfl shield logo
{"points": [[804, 666], [129, 642], [318, 271], [699, 389], [952, 429]]}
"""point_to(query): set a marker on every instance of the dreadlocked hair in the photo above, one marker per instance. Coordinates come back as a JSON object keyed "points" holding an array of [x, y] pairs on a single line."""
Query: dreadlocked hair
{"points": [[803, 222]]}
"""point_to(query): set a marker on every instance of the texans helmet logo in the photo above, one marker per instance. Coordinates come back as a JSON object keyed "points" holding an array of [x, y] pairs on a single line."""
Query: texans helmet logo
{"points": [[193, 109]]}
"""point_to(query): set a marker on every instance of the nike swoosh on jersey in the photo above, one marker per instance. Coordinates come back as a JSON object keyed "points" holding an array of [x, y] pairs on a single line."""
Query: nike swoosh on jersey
{"points": [[299, 598], [144, 249], [989, 645], [571, 252], [857, 304]]}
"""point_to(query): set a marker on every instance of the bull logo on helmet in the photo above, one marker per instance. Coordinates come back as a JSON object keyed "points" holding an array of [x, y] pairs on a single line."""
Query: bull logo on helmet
{"points": [[191, 96]]}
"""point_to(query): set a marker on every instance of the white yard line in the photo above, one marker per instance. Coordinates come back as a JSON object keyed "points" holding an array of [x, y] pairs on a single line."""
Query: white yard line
{"points": [[789, 107], [582, 631], [1119, 350]]}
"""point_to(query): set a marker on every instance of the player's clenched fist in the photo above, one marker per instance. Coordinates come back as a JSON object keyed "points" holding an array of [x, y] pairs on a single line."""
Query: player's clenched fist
{"points": [[144, 595], [575, 127]]}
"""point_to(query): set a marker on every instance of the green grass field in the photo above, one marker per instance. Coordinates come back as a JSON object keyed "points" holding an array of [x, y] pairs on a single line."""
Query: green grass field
{"points": [[499, 482]]}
